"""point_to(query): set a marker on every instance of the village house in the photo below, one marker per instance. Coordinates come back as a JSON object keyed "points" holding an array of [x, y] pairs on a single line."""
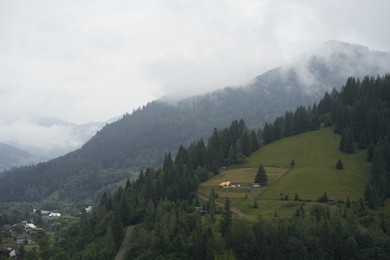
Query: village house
{"points": [[54, 215], [23, 238], [88, 209]]}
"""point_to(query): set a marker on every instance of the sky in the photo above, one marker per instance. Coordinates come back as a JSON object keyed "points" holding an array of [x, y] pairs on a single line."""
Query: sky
{"points": [[93, 60]]}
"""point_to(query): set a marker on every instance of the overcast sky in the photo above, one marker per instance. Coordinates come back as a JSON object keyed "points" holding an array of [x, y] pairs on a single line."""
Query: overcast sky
{"points": [[85, 61], [90, 60]]}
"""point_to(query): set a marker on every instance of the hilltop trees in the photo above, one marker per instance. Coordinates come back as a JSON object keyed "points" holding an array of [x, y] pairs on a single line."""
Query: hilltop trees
{"points": [[302, 120], [230, 145]]}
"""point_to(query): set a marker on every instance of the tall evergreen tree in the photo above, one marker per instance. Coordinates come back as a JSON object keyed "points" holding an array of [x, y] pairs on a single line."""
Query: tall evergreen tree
{"points": [[325, 105], [340, 117], [378, 164], [254, 141], [246, 143], [350, 91], [362, 142], [261, 176], [288, 124], [227, 218], [346, 142], [339, 164]]}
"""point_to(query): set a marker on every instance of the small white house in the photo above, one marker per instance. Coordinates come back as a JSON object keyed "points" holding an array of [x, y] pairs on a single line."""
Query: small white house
{"points": [[29, 226], [88, 209], [54, 215], [12, 252]]}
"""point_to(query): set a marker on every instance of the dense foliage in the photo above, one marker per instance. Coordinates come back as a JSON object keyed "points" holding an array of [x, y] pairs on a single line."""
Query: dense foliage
{"points": [[162, 203]]}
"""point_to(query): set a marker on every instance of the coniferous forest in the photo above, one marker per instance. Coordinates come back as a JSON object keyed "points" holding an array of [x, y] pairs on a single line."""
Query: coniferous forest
{"points": [[160, 205]]}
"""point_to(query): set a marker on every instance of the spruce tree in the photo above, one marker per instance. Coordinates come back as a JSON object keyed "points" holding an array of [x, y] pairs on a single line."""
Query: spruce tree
{"points": [[339, 164], [261, 176], [346, 143], [227, 218], [362, 143], [378, 165], [292, 164]]}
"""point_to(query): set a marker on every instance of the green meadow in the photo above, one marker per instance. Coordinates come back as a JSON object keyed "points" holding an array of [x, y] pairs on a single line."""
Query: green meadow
{"points": [[315, 154]]}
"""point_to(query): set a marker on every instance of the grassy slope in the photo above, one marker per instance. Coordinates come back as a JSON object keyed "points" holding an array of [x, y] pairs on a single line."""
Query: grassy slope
{"points": [[315, 154]]}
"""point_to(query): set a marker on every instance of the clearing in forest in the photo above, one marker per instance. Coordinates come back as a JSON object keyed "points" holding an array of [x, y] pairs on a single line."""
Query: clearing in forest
{"points": [[315, 154]]}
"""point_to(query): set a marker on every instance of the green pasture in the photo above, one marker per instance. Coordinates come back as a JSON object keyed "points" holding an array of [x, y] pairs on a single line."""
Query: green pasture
{"points": [[315, 154]]}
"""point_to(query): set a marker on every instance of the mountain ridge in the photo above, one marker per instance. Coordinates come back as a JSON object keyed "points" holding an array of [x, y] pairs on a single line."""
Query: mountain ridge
{"points": [[11, 156], [140, 139]]}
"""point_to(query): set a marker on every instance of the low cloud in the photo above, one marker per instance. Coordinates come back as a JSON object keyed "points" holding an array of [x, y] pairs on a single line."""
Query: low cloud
{"points": [[45, 138]]}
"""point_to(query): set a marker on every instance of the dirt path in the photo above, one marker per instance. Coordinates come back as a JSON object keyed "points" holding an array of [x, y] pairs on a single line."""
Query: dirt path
{"points": [[125, 243], [234, 210]]}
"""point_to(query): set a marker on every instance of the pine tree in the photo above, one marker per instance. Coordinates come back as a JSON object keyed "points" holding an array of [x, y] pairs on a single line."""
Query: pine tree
{"points": [[261, 176], [116, 228], [210, 206], [350, 91], [346, 142], [370, 151], [339, 164], [378, 165], [340, 118], [325, 105], [362, 143], [292, 163], [232, 154], [227, 218], [246, 143], [254, 141], [289, 124], [267, 134]]}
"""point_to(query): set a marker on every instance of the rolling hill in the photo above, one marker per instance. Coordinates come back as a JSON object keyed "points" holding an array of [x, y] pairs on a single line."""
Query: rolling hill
{"points": [[315, 154]]}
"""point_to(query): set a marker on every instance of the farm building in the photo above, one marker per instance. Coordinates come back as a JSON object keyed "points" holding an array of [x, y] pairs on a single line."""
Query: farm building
{"points": [[224, 184]]}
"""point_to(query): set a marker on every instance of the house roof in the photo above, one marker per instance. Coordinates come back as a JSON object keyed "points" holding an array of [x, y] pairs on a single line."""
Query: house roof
{"points": [[23, 236]]}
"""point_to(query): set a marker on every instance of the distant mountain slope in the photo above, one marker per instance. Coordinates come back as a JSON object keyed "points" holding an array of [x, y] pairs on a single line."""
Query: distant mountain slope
{"points": [[140, 140], [12, 157]]}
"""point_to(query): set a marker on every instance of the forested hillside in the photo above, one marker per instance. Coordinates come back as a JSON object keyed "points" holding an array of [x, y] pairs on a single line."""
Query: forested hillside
{"points": [[139, 139], [163, 200]]}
